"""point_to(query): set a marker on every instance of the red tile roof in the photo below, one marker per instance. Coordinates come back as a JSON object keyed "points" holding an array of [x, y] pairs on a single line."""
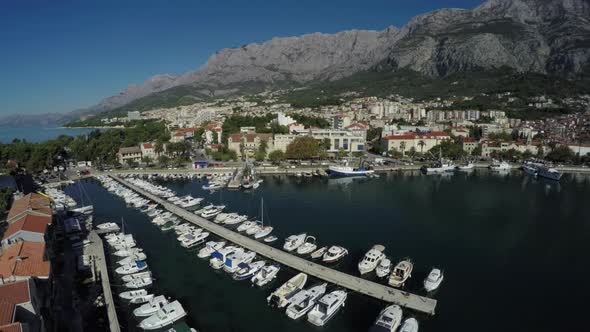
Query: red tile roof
{"points": [[147, 145], [249, 137], [431, 135], [28, 222], [15, 292], [469, 139], [24, 259], [7, 311], [30, 202], [14, 327]]}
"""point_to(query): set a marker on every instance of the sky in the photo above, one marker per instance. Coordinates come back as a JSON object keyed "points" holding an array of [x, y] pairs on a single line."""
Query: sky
{"points": [[58, 56]]}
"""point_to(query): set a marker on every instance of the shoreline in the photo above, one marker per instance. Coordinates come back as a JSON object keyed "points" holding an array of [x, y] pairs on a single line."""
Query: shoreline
{"points": [[92, 127]]}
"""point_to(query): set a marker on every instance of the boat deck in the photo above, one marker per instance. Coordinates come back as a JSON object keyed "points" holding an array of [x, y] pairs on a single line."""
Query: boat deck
{"points": [[373, 289]]}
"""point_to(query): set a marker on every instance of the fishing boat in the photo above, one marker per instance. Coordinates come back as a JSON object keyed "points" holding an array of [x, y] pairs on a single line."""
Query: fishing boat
{"points": [[308, 246], [326, 308], [346, 170], [388, 320], [409, 325], [265, 275], [401, 273], [440, 166], [247, 271], [209, 248], [134, 267], [280, 297], [434, 279], [165, 316], [334, 254], [384, 268], [129, 295], [294, 241], [304, 301], [371, 259], [151, 307], [319, 253]]}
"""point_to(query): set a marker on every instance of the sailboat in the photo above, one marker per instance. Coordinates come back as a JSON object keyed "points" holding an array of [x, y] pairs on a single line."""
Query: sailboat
{"points": [[264, 230]]}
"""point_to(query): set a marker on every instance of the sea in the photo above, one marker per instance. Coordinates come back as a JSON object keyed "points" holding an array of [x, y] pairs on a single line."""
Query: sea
{"points": [[514, 249], [37, 134]]}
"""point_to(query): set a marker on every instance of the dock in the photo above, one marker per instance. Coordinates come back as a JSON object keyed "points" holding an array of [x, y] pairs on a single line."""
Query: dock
{"points": [[356, 284]]}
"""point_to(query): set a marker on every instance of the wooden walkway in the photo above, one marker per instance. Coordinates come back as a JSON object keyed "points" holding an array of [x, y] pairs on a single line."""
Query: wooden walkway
{"points": [[373, 289]]}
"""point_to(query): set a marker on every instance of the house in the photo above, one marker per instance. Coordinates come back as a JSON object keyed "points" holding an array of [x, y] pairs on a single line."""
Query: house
{"points": [[148, 150], [412, 140], [358, 129], [249, 142], [296, 128], [129, 154], [469, 144], [29, 227], [24, 260], [460, 132], [20, 307], [336, 139], [32, 203], [212, 128]]}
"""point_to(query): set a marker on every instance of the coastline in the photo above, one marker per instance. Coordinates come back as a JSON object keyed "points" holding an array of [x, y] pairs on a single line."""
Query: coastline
{"points": [[93, 127]]}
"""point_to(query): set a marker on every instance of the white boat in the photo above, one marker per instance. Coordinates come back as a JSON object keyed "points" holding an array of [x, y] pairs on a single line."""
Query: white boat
{"points": [[308, 246], [254, 229], [388, 320], [108, 227], [212, 186], [88, 209], [141, 299], [294, 241], [165, 316], [189, 203], [263, 231], [548, 172], [194, 240], [410, 325], [326, 308], [234, 261], [246, 226], [384, 268], [271, 239], [265, 275], [140, 256], [440, 167], [139, 283], [134, 267], [319, 253], [434, 279], [304, 301], [530, 169], [234, 219], [401, 273], [151, 307], [127, 252], [348, 171], [218, 257], [139, 275], [372, 258], [334, 254], [209, 248], [280, 297], [212, 212], [247, 271], [128, 295], [220, 218], [500, 166], [466, 167]]}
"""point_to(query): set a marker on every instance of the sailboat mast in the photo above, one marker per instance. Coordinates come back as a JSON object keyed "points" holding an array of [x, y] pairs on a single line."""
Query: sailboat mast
{"points": [[262, 209]]}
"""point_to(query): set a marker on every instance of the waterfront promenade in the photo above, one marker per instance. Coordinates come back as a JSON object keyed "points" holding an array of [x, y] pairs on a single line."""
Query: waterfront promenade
{"points": [[366, 287]]}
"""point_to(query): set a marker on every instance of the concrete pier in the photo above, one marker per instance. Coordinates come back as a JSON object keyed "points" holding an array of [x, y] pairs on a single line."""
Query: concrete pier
{"points": [[373, 289]]}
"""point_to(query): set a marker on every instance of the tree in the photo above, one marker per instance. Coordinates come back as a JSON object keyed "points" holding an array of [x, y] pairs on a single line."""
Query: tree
{"points": [[159, 147], [540, 151], [421, 144], [341, 154], [262, 147], [476, 152], [147, 160], [561, 153], [276, 156], [402, 146], [305, 147], [163, 160], [527, 154]]}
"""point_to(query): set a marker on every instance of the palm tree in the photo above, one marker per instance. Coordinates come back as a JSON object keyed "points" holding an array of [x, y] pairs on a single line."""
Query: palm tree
{"points": [[402, 146], [159, 148], [421, 144]]}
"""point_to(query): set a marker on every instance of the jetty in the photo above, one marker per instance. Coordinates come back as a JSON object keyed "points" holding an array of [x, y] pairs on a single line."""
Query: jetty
{"points": [[356, 284]]}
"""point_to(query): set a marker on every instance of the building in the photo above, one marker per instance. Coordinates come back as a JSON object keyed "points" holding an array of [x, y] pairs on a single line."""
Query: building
{"points": [[284, 120], [418, 142], [469, 144], [249, 142], [20, 307], [339, 139], [32, 203], [133, 116], [23, 260], [148, 150], [28, 227], [358, 129], [129, 154]]}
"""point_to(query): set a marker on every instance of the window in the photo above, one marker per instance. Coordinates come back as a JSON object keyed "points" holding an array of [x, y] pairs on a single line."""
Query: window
{"points": [[336, 143]]}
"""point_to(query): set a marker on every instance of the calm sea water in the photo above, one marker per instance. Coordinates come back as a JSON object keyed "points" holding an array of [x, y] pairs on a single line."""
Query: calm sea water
{"points": [[514, 249], [38, 134]]}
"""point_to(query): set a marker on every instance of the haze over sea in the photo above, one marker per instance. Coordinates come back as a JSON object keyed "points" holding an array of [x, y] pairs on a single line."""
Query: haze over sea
{"points": [[39, 133]]}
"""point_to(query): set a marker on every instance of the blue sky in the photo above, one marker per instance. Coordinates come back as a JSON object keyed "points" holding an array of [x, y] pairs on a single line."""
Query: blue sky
{"points": [[57, 56]]}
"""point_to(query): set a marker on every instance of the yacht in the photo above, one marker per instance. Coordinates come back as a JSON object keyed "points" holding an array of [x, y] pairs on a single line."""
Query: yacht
{"points": [[220, 218], [434, 279], [263, 231], [212, 186], [134, 267], [334, 254], [280, 297], [194, 240], [304, 301], [500, 166], [271, 239], [265, 275], [233, 262], [388, 320], [326, 308], [151, 307], [127, 252], [384, 268], [254, 229], [401, 273], [139, 275], [319, 253], [209, 248], [190, 202], [140, 256], [409, 325], [218, 257], [129, 295], [294, 241], [165, 316], [246, 226], [192, 232], [141, 299], [210, 213], [372, 258], [247, 271], [108, 227], [308, 246], [139, 283], [234, 219]]}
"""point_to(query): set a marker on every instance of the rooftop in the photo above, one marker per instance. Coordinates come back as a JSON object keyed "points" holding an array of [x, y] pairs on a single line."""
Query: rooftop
{"points": [[28, 222], [24, 259], [14, 327], [7, 311], [131, 149], [15, 292], [31, 202]]}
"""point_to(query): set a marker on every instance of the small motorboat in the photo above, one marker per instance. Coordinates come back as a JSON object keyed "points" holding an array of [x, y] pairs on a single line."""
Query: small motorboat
{"points": [[434, 279], [384, 268], [247, 271], [294, 241], [234, 219], [304, 301], [401, 273], [308, 246], [263, 231], [319, 253], [246, 226], [326, 308], [334, 254], [139, 275], [255, 229], [141, 299], [129, 295], [371, 259], [281, 296], [270, 239], [151, 307], [409, 325], [210, 247], [108, 227], [139, 283], [134, 267], [466, 167], [165, 316], [388, 320], [265, 275], [140, 256]]}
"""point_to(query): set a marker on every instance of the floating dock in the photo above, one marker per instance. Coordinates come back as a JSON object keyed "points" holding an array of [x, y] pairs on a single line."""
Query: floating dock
{"points": [[359, 285]]}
